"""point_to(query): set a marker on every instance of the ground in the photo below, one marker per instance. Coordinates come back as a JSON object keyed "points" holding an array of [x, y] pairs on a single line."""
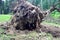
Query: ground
{"points": [[31, 35]]}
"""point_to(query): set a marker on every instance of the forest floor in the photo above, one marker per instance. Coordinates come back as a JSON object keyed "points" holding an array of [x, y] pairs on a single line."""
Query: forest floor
{"points": [[29, 35]]}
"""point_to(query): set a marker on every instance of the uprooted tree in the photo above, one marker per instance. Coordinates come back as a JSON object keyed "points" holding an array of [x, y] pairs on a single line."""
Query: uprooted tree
{"points": [[27, 16]]}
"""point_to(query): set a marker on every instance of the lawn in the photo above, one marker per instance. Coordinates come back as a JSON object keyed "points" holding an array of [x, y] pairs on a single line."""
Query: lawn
{"points": [[4, 18]]}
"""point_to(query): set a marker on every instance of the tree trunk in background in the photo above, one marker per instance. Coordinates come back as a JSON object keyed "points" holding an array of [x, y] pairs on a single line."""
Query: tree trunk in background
{"points": [[42, 4], [0, 6]]}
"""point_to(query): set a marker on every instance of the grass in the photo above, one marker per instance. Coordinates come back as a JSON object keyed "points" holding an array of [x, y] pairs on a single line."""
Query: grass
{"points": [[55, 14], [4, 18], [32, 35]]}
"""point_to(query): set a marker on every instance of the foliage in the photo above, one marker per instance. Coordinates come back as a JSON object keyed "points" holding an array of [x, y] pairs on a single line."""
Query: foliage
{"points": [[44, 4], [7, 5], [55, 14]]}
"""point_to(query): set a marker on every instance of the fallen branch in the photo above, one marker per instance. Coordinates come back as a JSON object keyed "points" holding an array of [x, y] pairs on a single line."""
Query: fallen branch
{"points": [[54, 30]]}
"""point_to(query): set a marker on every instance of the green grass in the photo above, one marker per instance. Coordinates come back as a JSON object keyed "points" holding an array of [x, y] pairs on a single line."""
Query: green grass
{"points": [[4, 18], [55, 14]]}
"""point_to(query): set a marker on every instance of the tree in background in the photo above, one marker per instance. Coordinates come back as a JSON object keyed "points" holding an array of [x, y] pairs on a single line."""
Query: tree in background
{"points": [[44, 4], [0, 6], [8, 5]]}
